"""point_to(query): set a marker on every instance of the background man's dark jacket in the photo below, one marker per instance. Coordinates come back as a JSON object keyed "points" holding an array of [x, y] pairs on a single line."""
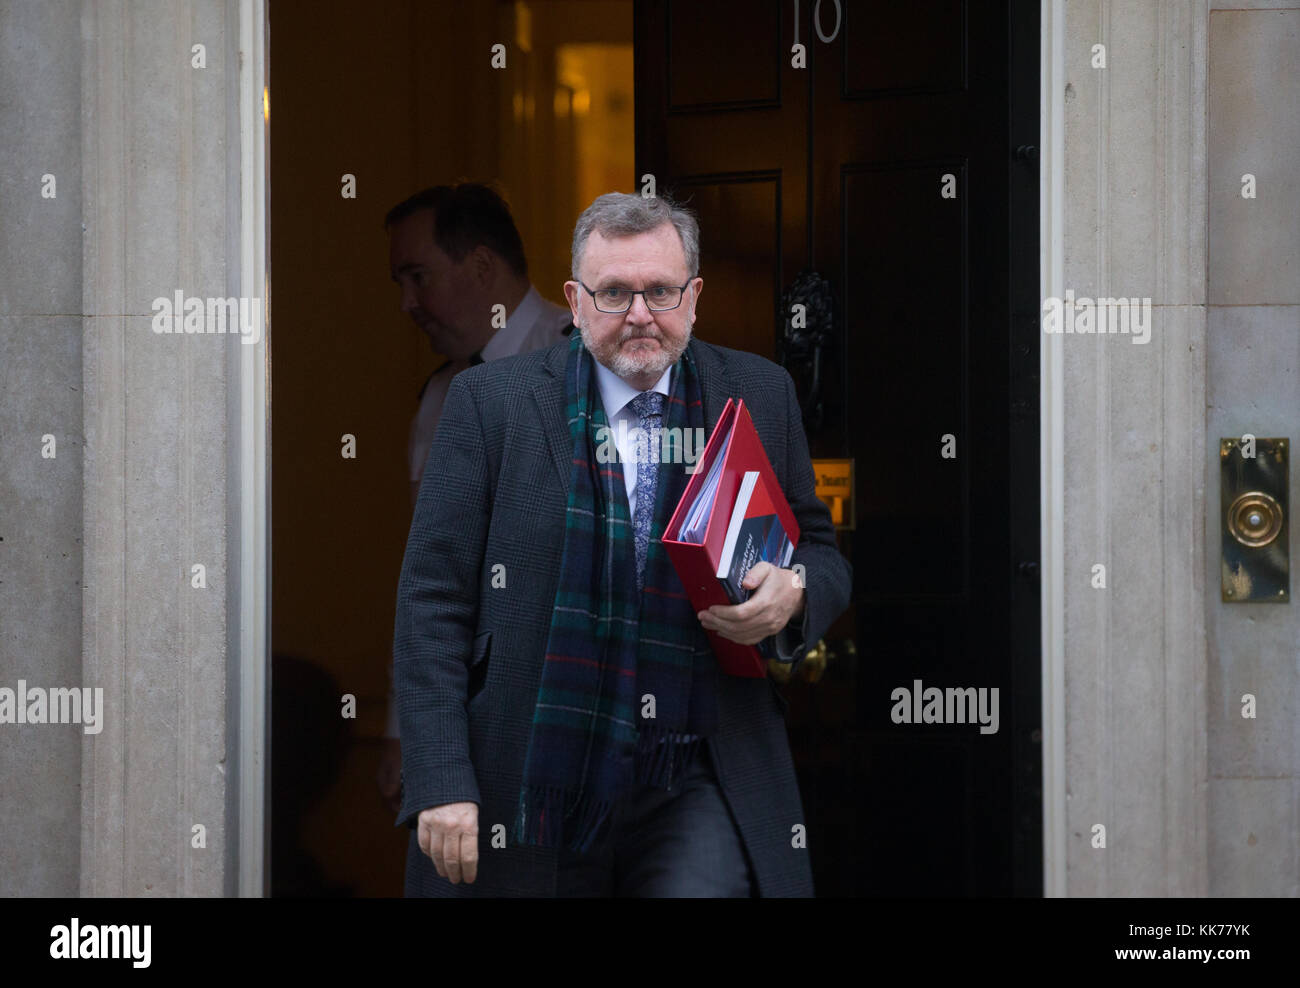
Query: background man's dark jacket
{"points": [[468, 654]]}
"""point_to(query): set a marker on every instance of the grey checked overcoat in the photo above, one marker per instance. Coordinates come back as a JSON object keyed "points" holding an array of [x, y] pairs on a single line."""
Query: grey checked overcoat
{"points": [[468, 655]]}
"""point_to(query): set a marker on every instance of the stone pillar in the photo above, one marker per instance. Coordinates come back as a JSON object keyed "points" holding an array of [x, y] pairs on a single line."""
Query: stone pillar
{"points": [[40, 396], [161, 213], [1134, 439]]}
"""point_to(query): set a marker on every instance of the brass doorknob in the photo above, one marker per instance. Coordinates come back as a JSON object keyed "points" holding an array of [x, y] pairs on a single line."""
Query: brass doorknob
{"points": [[814, 663]]}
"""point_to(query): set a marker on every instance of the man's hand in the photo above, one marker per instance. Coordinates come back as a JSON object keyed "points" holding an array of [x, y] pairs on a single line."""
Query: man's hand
{"points": [[777, 598], [389, 776], [449, 835]]}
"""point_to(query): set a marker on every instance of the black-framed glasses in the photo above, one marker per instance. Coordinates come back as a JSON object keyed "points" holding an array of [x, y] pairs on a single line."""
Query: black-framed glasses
{"points": [[658, 298]]}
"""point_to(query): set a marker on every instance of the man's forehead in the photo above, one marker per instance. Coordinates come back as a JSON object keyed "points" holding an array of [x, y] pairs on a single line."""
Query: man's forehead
{"points": [[410, 242], [416, 228], [656, 252]]}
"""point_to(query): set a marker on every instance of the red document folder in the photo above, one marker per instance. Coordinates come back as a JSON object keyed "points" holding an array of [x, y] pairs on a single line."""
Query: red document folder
{"points": [[697, 562]]}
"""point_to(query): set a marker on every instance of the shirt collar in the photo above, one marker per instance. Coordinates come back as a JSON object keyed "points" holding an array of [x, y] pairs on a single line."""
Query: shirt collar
{"points": [[615, 392], [509, 338]]}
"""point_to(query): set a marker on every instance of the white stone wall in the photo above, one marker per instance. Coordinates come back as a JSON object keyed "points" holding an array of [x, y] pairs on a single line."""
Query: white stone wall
{"points": [[40, 394], [157, 216], [96, 567], [1134, 434], [1253, 386], [1195, 800]]}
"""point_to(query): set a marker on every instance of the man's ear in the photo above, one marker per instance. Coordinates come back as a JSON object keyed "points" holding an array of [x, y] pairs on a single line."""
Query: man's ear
{"points": [[696, 286], [571, 290], [483, 264]]}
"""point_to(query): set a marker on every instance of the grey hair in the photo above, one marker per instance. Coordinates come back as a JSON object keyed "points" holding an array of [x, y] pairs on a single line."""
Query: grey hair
{"points": [[622, 214]]}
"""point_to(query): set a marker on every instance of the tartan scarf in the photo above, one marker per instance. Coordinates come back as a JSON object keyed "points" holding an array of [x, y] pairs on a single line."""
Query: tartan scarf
{"points": [[591, 740]]}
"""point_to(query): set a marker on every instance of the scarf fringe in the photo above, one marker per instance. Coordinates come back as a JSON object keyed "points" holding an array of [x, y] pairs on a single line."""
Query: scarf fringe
{"points": [[661, 758], [548, 813], [545, 810]]}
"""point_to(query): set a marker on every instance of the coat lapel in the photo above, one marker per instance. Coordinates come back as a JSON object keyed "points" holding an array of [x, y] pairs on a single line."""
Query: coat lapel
{"points": [[712, 365], [549, 393]]}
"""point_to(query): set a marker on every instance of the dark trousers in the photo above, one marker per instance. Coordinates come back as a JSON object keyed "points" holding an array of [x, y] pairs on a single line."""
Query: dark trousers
{"points": [[679, 843]]}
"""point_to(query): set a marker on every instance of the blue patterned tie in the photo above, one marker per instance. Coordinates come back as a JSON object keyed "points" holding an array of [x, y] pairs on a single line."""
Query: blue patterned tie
{"points": [[648, 407]]}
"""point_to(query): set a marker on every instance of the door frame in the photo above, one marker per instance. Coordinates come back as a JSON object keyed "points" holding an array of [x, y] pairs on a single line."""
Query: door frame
{"points": [[1051, 248], [249, 554], [250, 524]]}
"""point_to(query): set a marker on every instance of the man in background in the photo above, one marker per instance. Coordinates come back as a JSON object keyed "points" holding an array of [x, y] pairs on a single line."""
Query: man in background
{"points": [[458, 259]]}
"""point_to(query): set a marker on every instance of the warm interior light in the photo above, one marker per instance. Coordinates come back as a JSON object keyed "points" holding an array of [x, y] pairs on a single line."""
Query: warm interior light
{"points": [[523, 27], [599, 77]]}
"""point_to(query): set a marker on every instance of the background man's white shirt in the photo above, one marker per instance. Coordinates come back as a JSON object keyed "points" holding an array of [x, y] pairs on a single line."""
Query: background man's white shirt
{"points": [[534, 324]]}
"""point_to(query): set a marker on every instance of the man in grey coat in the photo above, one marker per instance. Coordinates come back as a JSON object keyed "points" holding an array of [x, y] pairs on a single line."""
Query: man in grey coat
{"points": [[496, 539]]}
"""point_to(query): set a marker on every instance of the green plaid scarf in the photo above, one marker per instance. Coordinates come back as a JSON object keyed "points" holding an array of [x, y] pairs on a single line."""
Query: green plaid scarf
{"points": [[608, 648]]}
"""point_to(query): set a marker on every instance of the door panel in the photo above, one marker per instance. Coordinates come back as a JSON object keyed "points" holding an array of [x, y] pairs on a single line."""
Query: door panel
{"points": [[740, 252], [721, 121], [740, 66], [903, 288], [840, 168]]}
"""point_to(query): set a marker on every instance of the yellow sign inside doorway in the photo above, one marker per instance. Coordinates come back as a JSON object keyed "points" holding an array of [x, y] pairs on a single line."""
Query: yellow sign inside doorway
{"points": [[835, 487]]}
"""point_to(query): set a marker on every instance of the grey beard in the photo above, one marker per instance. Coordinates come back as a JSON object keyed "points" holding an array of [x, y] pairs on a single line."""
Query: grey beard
{"points": [[626, 365]]}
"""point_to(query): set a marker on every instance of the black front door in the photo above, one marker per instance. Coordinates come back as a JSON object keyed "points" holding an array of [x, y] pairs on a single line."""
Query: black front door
{"points": [[895, 164]]}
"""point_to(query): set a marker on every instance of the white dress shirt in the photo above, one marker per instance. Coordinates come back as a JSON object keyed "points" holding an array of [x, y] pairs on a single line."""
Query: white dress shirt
{"points": [[616, 395]]}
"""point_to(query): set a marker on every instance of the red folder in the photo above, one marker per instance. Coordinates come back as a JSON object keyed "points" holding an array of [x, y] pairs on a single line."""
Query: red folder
{"points": [[697, 562]]}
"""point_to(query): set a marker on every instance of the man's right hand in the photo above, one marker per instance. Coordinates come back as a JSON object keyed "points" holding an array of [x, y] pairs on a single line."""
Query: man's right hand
{"points": [[449, 835]]}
